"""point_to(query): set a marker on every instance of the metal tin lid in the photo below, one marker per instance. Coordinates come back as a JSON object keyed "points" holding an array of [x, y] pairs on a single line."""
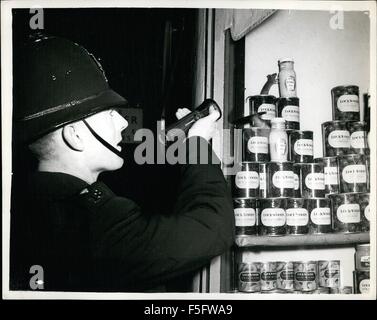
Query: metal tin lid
{"points": [[285, 60], [363, 246], [345, 87], [335, 121]]}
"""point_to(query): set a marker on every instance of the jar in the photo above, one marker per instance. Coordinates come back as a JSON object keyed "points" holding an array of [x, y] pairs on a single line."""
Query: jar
{"points": [[287, 78], [246, 181], [336, 138], [345, 103], [362, 257], [329, 273], [245, 216], [249, 277], [346, 212], [278, 140], [301, 146], [289, 110], [362, 281], [331, 172], [272, 217], [262, 181], [255, 144], [268, 276], [353, 173], [358, 137], [297, 216], [279, 179], [320, 217], [263, 103], [285, 275], [312, 180], [305, 275]]}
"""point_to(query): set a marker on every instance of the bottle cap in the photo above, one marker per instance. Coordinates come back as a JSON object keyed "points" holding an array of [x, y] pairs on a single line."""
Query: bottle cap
{"points": [[277, 120]]}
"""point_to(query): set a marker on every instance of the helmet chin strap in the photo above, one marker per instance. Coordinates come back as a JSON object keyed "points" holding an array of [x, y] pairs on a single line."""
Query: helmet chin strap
{"points": [[105, 143]]}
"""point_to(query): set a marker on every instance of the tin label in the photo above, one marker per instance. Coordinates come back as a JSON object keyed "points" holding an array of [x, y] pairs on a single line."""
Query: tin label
{"points": [[305, 276], [331, 175], [303, 147], [367, 212], [268, 276], [249, 276], [270, 110], [348, 213], [296, 182], [287, 275], [364, 286], [291, 113], [348, 103], [247, 180], [262, 180], [283, 179], [321, 216], [290, 83], [273, 217], [358, 139], [258, 145], [315, 181], [355, 173], [244, 217], [297, 217], [339, 139]]}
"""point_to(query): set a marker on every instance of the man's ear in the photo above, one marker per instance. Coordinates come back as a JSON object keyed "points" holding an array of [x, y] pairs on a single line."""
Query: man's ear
{"points": [[72, 137]]}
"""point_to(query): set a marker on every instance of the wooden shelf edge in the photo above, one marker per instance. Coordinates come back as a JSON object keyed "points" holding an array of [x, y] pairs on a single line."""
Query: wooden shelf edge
{"points": [[303, 240]]}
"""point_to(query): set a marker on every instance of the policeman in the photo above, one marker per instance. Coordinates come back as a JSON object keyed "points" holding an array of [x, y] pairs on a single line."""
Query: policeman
{"points": [[84, 236]]}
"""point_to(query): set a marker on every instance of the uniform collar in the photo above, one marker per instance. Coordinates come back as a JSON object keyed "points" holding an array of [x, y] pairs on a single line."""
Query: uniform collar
{"points": [[56, 184]]}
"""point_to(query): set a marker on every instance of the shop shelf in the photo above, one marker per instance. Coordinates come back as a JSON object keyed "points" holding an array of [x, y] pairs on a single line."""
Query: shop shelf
{"points": [[330, 239]]}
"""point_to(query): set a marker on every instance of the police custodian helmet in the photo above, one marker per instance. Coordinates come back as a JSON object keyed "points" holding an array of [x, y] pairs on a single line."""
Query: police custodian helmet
{"points": [[56, 82]]}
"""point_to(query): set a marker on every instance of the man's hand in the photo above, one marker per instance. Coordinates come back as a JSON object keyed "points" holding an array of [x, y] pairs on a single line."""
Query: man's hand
{"points": [[204, 127]]}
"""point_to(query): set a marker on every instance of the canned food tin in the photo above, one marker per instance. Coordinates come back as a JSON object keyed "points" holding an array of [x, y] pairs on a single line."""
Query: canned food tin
{"points": [[255, 144], [362, 257], [288, 108], [272, 216], [249, 277], [297, 216], [329, 273], [284, 274], [268, 276], [246, 181], [301, 146], [353, 173], [279, 179], [245, 216], [305, 275], [312, 180], [336, 138], [358, 137], [296, 181], [263, 103], [346, 212], [365, 211], [362, 281], [331, 172], [262, 181], [345, 103], [320, 217]]}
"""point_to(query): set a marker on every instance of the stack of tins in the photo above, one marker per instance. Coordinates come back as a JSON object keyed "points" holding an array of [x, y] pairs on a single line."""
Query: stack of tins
{"points": [[305, 195]]}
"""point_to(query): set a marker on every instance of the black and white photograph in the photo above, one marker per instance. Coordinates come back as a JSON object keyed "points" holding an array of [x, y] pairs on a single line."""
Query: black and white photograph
{"points": [[188, 150]]}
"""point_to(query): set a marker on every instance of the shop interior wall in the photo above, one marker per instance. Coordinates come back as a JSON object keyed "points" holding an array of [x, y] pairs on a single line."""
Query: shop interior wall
{"points": [[324, 58]]}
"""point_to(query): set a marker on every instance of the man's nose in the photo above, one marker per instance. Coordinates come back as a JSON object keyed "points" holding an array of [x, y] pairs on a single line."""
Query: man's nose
{"points": [[121, 121]]}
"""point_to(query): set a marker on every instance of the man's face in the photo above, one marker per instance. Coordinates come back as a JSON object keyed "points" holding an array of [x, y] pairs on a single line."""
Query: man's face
{"points": [[109, 125]]}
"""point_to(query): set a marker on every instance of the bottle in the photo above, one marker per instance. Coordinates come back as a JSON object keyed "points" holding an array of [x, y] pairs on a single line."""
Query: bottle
{"points": [[287, 78], [278, 140]]}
